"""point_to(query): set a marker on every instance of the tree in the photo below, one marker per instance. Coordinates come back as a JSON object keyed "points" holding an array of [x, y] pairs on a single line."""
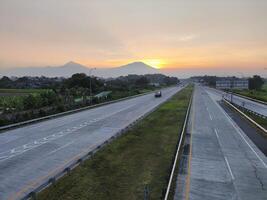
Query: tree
{"points": [[5, 82], [256, 82], [81, 80], [142, 81], [171, 80]]}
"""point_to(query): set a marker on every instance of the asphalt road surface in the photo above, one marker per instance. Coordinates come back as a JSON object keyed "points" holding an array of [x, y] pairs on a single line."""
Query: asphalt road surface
{"points": [[32, 154], [221, 162], [246, 103], [255, 134]]}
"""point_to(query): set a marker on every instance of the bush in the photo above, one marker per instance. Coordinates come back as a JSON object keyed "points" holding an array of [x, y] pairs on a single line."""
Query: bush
{"points": [[60, 108]]}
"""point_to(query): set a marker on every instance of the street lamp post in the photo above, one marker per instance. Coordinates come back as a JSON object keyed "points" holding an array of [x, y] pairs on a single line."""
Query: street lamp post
{"points": [[90, 75]]}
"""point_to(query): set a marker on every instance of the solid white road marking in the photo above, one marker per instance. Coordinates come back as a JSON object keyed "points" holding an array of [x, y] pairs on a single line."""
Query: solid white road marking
{"points": [[239, 132]]}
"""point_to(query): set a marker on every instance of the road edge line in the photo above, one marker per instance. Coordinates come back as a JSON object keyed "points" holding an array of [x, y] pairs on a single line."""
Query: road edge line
{"points": [[45, 181], [247, 117], [69, 112], [179, 147]]}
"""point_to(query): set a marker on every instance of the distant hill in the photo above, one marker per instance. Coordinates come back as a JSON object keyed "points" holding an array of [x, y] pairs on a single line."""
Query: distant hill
{"points": [[58, 71], [138, 68], [70, 68]]}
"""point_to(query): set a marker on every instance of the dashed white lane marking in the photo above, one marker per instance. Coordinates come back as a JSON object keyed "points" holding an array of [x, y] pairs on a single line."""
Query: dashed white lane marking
{"points": [[210, 116], [227, 163], [239, 132], [229, 168], [208, 112], [26, 147], [62, 147], [216, 132]]}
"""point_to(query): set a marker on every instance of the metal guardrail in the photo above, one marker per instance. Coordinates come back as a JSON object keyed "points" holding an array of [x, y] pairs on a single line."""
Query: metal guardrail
{"points": [[74, 163], [242, 96], [11, 126], [232, 95], [247, 117], [179, 147], [251, 99], [244, 108]]}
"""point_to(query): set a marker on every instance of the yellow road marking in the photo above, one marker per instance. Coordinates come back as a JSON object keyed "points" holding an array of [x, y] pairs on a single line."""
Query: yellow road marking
{"points": [[190, 156]]}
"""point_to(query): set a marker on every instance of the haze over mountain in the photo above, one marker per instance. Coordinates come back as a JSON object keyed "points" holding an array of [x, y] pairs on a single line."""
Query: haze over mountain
{"points": [[70, 68], [138, 68]]}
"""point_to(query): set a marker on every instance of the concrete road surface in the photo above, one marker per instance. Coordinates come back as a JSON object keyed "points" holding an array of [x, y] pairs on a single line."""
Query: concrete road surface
{"points": [[221, 162], [246, 103], [33, 153]]}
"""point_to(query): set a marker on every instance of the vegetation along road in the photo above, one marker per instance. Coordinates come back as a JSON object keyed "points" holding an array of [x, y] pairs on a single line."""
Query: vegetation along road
{"points": [[30, 155], [140, 159]]}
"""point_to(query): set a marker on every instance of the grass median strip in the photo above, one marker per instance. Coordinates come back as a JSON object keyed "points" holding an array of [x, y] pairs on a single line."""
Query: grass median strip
{"points": [[139, 159]]}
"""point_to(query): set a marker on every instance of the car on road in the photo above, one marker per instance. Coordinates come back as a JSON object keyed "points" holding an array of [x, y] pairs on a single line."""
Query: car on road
{"points": [[158, 94]]}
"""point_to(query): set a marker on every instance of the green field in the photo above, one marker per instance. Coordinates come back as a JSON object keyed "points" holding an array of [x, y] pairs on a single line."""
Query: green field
{"points": [[121, 170], [17, 92], [13, 98], [260, 95]]}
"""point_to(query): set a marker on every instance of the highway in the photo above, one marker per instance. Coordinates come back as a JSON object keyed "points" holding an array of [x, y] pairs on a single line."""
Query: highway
{"points": [[246, 103], [31, 154], [221, 162]]}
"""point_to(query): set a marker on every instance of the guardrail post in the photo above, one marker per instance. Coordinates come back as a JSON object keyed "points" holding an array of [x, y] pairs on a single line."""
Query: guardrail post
{"points": [[146, 193], [67, 170], [33, 195], [52, 180], [80, 160]]}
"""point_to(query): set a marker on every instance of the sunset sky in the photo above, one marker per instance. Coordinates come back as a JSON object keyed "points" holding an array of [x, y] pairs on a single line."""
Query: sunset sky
{"points": [[186, 34]]}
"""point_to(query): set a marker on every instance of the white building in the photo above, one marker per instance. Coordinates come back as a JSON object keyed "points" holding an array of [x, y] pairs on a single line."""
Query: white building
{"points": [[240, 84], [232, 84], [223, 84]]}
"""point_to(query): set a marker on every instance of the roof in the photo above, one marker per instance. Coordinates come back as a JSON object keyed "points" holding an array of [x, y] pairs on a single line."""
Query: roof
{"points": [[103, 94]]}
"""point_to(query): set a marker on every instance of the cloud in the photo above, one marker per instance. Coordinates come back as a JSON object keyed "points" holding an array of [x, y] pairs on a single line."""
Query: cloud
{"points": [[186, 38]]}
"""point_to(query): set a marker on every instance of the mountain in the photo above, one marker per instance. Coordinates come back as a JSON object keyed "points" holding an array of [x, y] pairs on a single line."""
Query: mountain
{"points": [[70, 68], [58, 71], [138, 68]]}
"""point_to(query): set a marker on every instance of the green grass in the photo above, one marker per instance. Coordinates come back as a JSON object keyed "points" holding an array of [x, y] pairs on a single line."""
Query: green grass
{"points": [[142, 156], [259, 95], [13, 92], [261, 121]]}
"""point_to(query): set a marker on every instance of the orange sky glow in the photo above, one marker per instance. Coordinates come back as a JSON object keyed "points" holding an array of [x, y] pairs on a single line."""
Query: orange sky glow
{"points": [[184, 34]]}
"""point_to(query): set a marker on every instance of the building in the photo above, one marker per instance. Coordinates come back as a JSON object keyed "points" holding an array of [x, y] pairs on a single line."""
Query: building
{"points": [[103, 95], [232, 83], [154, 84], [223, 84], [240, 84]]}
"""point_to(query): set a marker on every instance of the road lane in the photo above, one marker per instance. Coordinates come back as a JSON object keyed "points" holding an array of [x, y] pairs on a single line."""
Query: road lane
{"points": [[30, 154], [223, 162], [243, 102]]}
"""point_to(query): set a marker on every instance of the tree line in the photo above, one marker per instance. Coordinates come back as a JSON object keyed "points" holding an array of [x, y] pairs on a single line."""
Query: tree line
{"points": [[61, 94]]}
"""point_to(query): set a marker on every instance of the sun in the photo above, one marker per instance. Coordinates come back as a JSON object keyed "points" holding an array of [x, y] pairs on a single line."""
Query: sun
{"points": [[156, 63]]}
